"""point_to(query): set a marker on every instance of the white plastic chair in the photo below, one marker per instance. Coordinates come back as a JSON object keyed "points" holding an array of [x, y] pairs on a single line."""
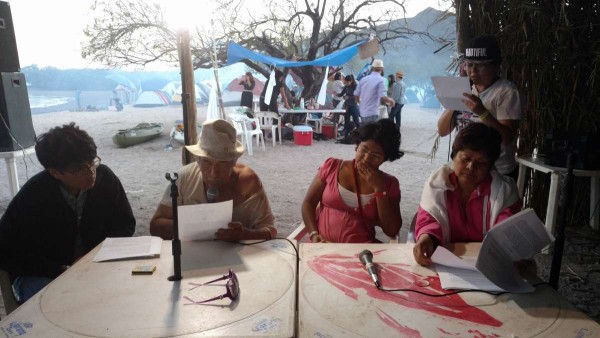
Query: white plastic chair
{"points": [[240, 130], [270, 120], [245, 124], [318, 121]]}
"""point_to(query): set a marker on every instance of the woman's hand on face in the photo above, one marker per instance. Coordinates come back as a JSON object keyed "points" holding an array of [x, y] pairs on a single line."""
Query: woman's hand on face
{"points": [[233, 233], [423, 250], [372, 175]]}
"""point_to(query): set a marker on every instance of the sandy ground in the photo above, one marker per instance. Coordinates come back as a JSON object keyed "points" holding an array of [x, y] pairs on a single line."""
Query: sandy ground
{"points": [[286, 170]]}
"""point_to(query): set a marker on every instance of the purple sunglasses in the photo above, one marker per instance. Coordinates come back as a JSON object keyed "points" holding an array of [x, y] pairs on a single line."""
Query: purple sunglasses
{"points": [[232, 286]]}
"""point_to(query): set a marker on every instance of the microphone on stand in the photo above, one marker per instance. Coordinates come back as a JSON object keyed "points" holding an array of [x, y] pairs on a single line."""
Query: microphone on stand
{"points": [[211, 194], [366, 258]]}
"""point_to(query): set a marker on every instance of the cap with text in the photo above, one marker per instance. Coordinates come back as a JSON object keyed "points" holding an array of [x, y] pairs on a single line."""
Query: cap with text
{"points": [[483, 48]]}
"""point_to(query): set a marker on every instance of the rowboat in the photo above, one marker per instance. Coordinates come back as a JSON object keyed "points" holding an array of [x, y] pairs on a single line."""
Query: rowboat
{"points": [[141, 133]]}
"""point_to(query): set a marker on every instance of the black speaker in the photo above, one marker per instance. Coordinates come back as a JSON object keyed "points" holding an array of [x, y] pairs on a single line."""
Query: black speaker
{"points": [[585, 148], [16, 127], [9, 56]]}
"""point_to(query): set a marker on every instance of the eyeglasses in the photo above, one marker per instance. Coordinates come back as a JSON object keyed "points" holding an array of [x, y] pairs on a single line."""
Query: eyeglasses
{"points": [[478, 65], [85, 168], [232, 286]]}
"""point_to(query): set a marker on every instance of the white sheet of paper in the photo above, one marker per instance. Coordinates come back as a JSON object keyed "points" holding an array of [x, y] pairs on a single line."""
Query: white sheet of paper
{"points": [[518, 237], [449, 91], [456, 273], [128, 247], [201, 221]]}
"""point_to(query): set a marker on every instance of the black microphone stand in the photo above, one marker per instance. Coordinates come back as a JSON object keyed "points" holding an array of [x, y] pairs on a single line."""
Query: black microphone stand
{"points": [[176, 243], [564, 204]]}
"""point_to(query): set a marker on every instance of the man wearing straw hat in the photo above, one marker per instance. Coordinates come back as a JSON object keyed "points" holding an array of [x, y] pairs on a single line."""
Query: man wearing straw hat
{"points": [[370, 92], [216, 177]]}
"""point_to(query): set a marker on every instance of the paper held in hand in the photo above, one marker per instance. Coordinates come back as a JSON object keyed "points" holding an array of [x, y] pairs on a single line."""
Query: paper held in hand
{"points": [[449, 91], [201, 221], [518, 237], [129, 247]]}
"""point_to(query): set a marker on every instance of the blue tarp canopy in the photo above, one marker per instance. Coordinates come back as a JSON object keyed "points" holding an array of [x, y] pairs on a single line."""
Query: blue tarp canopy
{"points": [[236, 53]]}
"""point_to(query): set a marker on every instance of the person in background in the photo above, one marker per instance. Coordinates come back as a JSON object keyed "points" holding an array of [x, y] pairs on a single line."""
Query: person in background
{"points": [[398, 92], [218, 171], [61, 213], [493, 100], [278, 89], [463, 200], [350, 105], [337, 87], [347, 199], [370, 92], [247, 96], [391, 81]]}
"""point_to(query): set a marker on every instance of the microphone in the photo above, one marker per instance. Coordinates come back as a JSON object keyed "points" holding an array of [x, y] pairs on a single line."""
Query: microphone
{"points": [[211, 194], [366, 258]]}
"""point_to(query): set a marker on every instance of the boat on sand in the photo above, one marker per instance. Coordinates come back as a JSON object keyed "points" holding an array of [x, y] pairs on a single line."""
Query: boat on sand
{"points": [[141, 133]]}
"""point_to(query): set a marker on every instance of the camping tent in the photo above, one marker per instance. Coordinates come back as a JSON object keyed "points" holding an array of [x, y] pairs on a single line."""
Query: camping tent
{"points": [[152, 98]]}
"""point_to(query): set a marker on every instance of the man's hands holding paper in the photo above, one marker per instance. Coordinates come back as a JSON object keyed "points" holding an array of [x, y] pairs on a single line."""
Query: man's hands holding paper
{"points": [[233, 233], [473, 102]]}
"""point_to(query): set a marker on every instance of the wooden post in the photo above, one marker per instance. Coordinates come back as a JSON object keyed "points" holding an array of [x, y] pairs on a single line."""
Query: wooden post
{"points": [[188, 94]]}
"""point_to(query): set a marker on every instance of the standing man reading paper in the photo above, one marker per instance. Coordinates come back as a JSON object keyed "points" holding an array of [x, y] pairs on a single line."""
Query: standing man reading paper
{"points": [[61, 213], [494, 101], [216, 177]]}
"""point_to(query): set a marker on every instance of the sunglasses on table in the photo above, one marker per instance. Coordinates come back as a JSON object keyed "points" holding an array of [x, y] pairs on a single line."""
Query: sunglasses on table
{"points": [[232, 286]]}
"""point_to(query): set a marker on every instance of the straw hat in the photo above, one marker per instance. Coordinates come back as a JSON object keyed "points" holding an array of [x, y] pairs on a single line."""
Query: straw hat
{"points": [[217, 141], [400, 74], [377, 63]]}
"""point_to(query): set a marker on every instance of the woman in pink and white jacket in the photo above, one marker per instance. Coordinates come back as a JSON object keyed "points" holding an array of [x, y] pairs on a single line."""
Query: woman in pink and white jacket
{"points": [[461, 201]]}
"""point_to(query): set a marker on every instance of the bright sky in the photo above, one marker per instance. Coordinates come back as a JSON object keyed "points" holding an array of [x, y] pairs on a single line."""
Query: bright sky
{"points": [[50, 32]]}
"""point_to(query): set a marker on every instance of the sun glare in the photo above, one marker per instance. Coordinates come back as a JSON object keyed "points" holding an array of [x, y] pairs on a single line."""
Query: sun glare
{"points": [[187, 14]]}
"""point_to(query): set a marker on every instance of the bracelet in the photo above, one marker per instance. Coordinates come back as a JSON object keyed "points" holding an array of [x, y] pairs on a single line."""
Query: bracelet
{"points": [[484, 116], [312, 233], [380, 193]]}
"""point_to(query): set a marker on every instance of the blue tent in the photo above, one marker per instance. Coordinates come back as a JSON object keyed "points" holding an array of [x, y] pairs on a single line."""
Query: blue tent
{"points": [[236, 53]]}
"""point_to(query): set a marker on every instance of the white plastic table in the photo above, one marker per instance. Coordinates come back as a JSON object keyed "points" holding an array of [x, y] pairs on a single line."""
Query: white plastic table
{"points": [[538, 164], [106, 300], [11, 167], [337, 298]]}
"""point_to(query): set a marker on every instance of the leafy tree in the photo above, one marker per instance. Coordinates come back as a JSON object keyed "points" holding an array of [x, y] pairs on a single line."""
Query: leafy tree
{"points": [[131, 32]]}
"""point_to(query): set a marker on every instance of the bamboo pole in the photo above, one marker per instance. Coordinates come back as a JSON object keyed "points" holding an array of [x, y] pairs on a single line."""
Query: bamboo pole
{"points": [[188, 94]]}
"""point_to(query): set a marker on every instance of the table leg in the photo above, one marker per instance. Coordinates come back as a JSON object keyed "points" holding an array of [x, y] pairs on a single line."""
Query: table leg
{"points": [[13, 179], [521, 180], [552, 209], [594, 203]]}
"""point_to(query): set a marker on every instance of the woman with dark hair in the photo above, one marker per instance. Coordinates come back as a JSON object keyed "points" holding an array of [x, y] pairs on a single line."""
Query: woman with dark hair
{"points": [[247, 96], [350, 105], [347, 199], [463, 200]]}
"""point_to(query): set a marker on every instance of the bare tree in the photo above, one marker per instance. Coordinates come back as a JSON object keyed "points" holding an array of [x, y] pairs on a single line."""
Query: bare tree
{"points": [[128, 32]]}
